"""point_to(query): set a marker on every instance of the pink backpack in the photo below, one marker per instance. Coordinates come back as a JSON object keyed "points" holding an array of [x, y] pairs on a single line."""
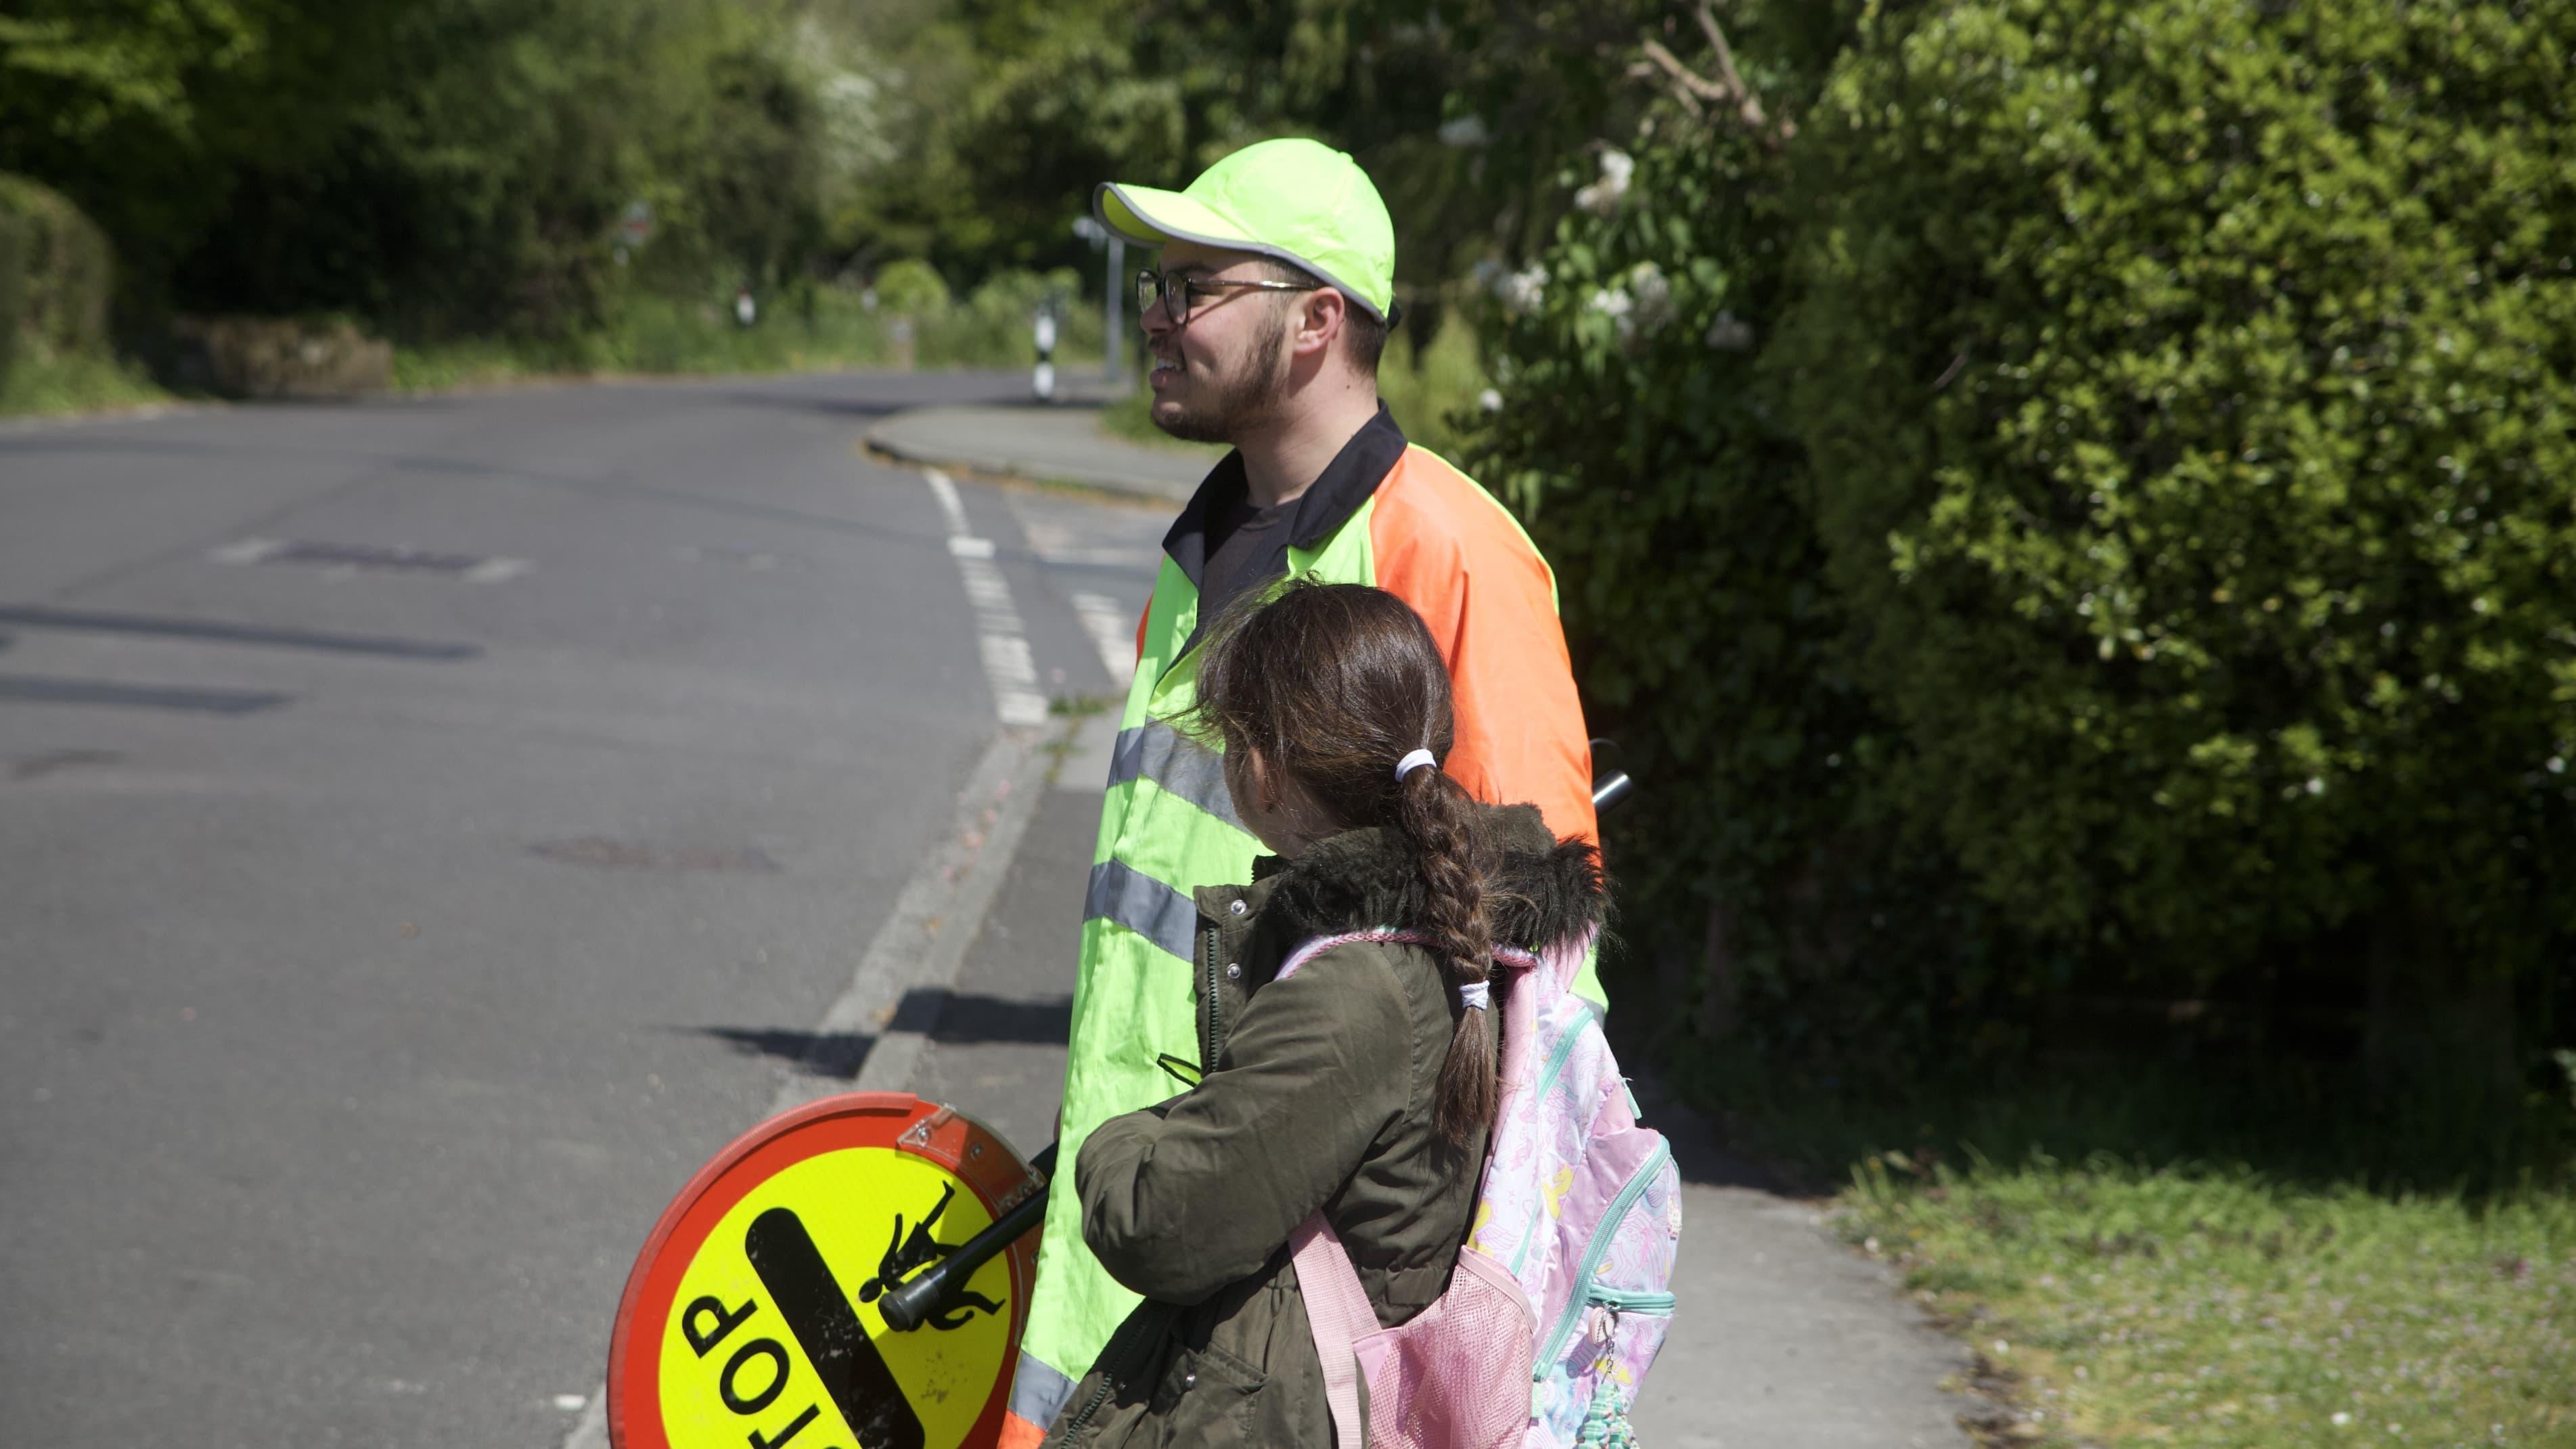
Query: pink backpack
{"points": [[1564, 1289]]}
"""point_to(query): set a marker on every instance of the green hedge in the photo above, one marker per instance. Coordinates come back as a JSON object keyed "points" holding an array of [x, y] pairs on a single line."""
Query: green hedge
{"points": [[2188, 388], [1656, 463], [56, 274], [2094, 512]]}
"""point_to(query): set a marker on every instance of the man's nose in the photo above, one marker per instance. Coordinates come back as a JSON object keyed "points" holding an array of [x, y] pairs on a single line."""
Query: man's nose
{"points": [[1156, 320]]}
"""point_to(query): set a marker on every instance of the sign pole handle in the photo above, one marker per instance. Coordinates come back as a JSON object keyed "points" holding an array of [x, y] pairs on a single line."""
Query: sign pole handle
{"points": [[909, 1306]]}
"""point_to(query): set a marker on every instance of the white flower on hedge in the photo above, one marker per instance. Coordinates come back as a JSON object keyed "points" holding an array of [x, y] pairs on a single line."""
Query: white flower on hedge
{"points": [[1602, 197], [1730, 333], [1521, 292], [1615, 304], [1491, 400], [1464, 131], [1654, 293]]}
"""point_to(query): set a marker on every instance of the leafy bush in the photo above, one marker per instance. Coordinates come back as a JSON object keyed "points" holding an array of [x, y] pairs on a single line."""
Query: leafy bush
{"points": [[801, 327], [56, 274], [2189, 390], [911, 287], [1652, 456], [64, 267], [2132, 541]]}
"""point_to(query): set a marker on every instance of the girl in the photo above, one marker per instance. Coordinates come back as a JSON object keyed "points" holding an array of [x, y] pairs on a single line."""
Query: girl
{"points": [[1362, 1085]]}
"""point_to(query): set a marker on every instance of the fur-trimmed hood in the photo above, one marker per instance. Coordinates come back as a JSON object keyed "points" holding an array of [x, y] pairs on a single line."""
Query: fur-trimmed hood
{"points": [[1541, 890]]}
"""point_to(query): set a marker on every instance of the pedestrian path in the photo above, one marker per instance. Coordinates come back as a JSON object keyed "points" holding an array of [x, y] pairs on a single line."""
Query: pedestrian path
{"points": [[1042, 442]]}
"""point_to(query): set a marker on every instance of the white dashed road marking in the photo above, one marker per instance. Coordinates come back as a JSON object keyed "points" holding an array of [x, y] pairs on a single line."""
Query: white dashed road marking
{"points": [[1112, 632], [1000, 638]]}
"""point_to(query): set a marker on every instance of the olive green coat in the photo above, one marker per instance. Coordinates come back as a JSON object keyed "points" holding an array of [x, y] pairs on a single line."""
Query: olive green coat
{"points": [[1321, 1097]]}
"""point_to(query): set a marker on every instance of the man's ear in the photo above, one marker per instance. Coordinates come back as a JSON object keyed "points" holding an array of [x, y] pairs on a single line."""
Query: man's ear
{"points": [[1321, 315]]}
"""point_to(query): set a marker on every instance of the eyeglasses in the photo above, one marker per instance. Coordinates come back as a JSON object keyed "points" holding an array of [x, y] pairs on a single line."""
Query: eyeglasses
{"points": [[1174, 290]]}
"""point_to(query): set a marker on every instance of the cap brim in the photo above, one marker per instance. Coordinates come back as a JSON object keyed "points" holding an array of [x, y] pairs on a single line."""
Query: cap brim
{"points": [[1152, 217]]}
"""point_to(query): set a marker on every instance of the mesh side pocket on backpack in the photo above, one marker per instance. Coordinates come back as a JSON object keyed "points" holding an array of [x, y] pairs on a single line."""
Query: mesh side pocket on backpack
{"points": [[1457, 1375]]}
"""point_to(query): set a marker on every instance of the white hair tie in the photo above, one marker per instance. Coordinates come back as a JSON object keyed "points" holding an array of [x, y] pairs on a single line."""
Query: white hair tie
{"points": [[1411, 763], [1475, 995]]}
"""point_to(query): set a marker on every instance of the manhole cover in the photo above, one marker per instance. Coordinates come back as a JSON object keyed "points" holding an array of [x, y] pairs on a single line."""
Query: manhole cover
{"points": [[628, 855], [472, 568]]}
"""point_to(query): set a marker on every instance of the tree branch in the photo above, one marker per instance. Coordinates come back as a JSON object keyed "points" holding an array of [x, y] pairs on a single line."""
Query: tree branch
{"points": [[1726, 90]]}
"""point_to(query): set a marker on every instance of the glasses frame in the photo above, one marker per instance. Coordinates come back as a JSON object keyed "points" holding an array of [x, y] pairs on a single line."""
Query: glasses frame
{"points": [[1175, 289]]}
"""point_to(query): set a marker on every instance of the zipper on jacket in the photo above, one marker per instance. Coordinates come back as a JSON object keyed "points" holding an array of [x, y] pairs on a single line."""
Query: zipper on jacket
{"points": [[1210, 1036], [1119, 1352], [1582, 1290]]}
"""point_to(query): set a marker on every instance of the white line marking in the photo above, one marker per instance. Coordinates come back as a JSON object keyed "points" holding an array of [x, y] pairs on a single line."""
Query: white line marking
{"points": [[247, 551], [1000, 638], [924, 939], [590, 1431], [495, 570], [1112, 632], [949, 502], [941, 910]]}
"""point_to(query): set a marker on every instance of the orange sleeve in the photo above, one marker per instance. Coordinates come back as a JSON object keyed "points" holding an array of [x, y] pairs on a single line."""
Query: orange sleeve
{"points": [[1443, 545]]}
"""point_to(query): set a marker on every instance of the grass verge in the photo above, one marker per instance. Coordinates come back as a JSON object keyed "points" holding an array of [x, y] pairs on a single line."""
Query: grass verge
{"points": [[823, 330], [46, 384], [2193, 1306], [2212, 1257]]}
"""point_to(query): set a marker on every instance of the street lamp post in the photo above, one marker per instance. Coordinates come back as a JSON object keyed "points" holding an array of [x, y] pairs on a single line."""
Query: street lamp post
{"points": [[1113, 347]]}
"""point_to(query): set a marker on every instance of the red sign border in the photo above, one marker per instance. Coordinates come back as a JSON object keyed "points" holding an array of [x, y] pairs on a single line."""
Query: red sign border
{"points": [[850, 1119]]}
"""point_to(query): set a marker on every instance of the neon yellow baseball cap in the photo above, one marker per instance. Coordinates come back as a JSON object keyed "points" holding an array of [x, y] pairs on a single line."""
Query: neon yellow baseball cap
{"points": [[1297, 200]]}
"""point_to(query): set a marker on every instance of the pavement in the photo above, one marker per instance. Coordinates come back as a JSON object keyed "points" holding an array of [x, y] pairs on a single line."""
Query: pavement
{"points": [[1060, 442], [431, 828]]}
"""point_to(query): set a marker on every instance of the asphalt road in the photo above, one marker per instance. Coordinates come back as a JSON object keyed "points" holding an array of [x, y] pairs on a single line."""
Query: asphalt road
{"points": [[426, 831]]}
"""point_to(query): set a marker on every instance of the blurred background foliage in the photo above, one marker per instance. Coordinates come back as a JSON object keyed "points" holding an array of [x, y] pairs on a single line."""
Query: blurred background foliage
{"points": [[2068, 506]]}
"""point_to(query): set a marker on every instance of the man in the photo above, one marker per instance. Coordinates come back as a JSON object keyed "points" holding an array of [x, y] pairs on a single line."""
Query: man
{"points": [[1265, 320]]}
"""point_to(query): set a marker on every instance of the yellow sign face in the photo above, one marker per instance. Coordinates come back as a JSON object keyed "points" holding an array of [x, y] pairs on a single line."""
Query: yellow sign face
{"points": [[775, 1339]]}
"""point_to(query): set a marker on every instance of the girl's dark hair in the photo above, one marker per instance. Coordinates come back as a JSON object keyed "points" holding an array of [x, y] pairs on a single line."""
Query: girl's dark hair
{"points": [[1332, 684]]}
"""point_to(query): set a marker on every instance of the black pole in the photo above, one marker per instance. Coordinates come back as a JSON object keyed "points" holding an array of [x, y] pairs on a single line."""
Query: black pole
{"points": [[910, 1305]]}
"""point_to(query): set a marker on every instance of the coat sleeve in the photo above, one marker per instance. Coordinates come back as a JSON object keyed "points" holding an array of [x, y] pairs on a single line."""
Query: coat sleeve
{"points": [[1179, 1202], [1448, 549]]}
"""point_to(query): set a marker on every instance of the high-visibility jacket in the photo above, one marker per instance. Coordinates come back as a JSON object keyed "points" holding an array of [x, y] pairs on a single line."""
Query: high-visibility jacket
{"points": [[1383, 512]]}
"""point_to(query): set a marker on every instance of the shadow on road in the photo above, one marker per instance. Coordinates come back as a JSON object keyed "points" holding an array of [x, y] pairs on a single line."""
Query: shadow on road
{"points": [[36, 616], [27, 689], [950, 1017]]}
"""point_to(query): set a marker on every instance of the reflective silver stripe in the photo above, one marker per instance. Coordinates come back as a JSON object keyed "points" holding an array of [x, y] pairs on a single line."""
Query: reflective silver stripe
{"points": [[1178, 764], [1038, 1392], [1119, 892]]}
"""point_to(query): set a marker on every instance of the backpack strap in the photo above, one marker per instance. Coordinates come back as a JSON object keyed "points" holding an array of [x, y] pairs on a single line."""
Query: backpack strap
{"points": [[1339, 1314], [1338, 1311], [1315, 946]]}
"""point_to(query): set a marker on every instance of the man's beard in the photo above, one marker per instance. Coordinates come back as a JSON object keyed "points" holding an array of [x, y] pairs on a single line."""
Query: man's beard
{"points": [[1241, 399]]}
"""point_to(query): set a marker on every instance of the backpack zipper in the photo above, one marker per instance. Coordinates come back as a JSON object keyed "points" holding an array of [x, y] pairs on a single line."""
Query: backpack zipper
{"points": [[1582, 1282], [1556, 1061]]}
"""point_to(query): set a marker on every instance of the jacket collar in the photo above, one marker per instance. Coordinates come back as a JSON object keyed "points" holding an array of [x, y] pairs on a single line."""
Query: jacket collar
{"points": [[1326, 505], [1539, 890]]}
